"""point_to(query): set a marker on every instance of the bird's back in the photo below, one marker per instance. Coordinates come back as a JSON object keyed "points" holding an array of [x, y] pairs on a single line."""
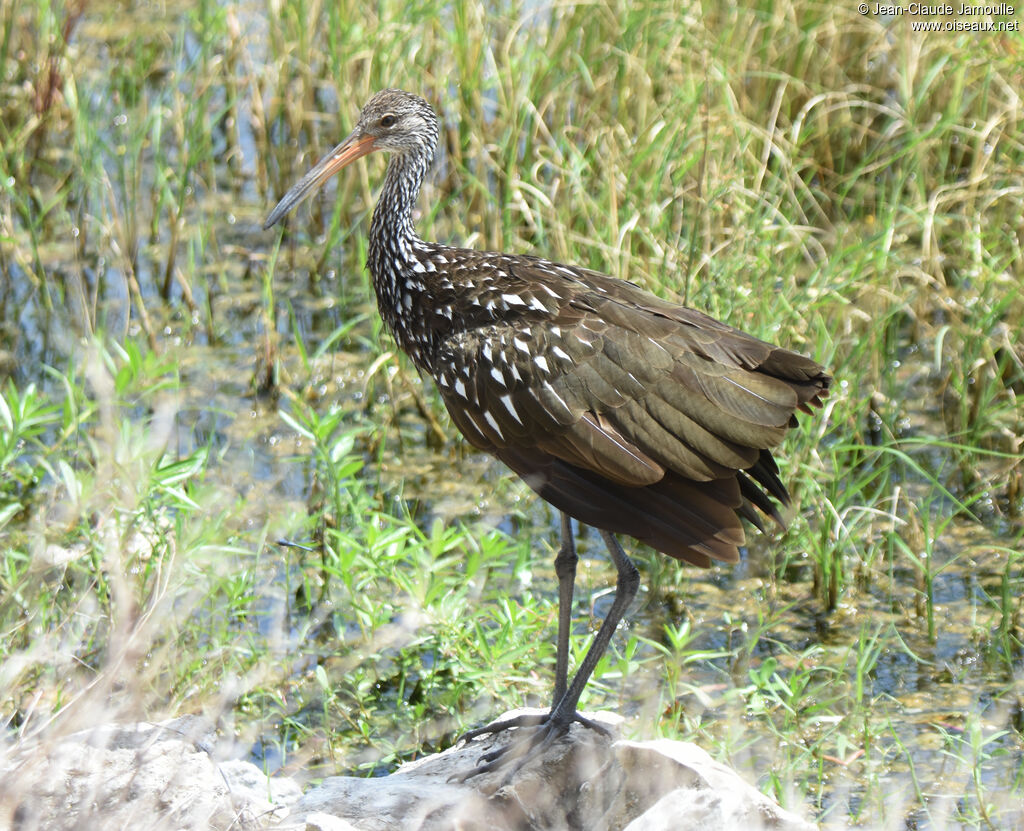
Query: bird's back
{"points": [[626, 411]]}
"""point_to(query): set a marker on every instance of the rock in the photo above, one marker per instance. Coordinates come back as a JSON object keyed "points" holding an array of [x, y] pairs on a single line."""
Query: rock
{"points": [[585, 781], [166, 776], [326, 822], [699, 793], [153, 776]]}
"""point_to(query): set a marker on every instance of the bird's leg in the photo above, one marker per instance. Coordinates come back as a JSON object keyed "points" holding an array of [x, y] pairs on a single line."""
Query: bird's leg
{"points": [[565, 568], [626, 587], [549, 727]]}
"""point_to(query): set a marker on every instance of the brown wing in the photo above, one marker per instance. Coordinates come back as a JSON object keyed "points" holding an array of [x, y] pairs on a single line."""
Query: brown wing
{"points": [[627, 412]]}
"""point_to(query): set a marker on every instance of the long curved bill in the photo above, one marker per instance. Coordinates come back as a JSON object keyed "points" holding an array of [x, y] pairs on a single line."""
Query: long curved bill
{"points": [[357, 145]]}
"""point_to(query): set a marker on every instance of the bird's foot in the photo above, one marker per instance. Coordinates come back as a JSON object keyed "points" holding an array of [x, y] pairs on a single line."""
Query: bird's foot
{"points": [[532, 720], [534, 733]]}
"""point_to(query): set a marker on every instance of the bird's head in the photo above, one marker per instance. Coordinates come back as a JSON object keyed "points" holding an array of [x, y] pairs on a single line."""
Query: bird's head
{"points": [[398, 121], [393, 120]]}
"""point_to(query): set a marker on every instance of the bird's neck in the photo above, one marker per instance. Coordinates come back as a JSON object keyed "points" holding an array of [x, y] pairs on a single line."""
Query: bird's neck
{"points": [[392, 218], [403, 290]]}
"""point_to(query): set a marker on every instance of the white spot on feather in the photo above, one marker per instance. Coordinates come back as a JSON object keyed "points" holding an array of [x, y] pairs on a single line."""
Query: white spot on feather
{"points": [[490, 420], [507, 403]]}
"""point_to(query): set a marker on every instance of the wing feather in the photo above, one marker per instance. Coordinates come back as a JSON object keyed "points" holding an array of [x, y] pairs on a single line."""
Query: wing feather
{"points": [[626, 411]]}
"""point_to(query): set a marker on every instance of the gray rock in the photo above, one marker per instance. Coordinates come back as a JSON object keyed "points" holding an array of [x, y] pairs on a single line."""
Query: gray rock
{"points": [[167, 776], [698, 792], [153, 776], [583, 782], [326, 822]]}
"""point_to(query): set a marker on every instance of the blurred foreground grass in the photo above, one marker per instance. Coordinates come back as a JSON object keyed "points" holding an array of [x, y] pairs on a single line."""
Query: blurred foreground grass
{"points": [[183, 389]]}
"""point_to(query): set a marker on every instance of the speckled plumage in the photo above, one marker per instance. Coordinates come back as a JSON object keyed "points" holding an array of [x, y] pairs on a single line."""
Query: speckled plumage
{"points": [[624, 411]]}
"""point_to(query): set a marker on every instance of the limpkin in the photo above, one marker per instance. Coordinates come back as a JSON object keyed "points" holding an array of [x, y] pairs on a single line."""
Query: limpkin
{"points": [[626, 412]]}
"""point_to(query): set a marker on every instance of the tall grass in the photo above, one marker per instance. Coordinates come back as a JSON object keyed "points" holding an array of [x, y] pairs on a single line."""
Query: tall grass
{"points": [[184, 389]]}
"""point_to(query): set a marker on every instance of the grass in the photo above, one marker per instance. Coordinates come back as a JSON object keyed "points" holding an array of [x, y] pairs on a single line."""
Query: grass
{"points": [[183, 390]]}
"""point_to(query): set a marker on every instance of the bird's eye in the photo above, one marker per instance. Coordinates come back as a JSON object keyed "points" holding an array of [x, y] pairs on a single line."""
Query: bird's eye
{"points": [[388, 121]]}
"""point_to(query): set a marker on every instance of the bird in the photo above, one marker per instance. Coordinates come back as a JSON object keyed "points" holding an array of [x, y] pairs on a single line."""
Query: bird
{"points": [[627, 412]]}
